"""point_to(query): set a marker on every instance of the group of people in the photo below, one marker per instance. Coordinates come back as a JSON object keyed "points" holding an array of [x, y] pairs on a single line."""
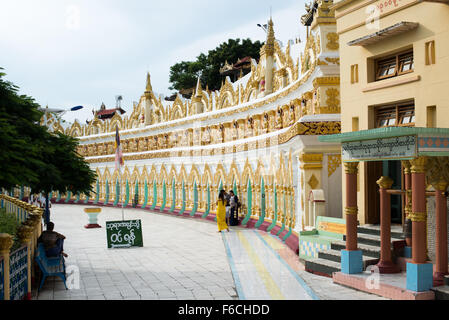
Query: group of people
{"points": [[38, 201], [227, 210]]}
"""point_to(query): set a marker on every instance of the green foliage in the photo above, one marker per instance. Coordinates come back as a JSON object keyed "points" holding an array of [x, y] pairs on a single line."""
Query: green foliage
{"points": [[8, 222], [183, 75], [18, 134], [31, 155]]}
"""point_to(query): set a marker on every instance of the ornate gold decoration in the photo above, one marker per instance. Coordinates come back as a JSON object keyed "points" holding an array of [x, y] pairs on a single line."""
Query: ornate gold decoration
{"points": [[351, 211], [333, 60], [334, 162], [351, 167], [313, 182], [332, 98], [25, 233], [418, 216], [418, 165], [385, 182], [332, 43], [407, 166], [6, 241]]}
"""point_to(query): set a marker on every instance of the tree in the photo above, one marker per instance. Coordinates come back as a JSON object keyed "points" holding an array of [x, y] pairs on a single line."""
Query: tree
{"points": [[31, 155], [184, 75]]}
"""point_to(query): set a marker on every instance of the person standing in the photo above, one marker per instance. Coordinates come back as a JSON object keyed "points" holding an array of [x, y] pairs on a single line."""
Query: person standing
{"points": [[221, 212], [228, 206], [234, 209]]}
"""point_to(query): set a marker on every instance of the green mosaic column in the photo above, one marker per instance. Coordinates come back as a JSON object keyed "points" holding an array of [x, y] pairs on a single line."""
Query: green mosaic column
{"points": [[77, 199], [249, 205], [69, 195], [126, 194], [283, 222], [262, 205], [154, 195], [273, 224], [87, 199], [117, 193], [195, 199], [145, 200], [173, 192], [97, 198], [136, 195], [183, 200], [206, 213], [164, 196]]}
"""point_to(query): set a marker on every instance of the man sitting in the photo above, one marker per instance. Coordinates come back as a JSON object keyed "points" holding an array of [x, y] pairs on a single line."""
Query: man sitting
{"points": [[53, 241]]}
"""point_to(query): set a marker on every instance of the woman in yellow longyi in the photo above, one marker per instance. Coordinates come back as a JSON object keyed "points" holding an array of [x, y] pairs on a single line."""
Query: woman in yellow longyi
{"points": [[221, 212]]}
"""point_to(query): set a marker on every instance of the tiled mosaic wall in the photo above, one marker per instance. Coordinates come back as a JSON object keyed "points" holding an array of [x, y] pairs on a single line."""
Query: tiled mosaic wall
{"points": [[431, 230]]}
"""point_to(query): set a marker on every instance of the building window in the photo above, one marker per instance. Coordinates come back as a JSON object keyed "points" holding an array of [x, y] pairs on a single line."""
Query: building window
{"points": [[354, 73], [430, 53], [394, 65], [395, 115], [432, 117]]}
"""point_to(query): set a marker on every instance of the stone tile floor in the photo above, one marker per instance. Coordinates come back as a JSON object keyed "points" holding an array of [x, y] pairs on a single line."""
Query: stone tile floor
{"points": [[182, 259]]}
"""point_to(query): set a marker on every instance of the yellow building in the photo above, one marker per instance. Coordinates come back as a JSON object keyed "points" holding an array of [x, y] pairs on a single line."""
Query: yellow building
{"points": [[394, 61], [391, 68]]}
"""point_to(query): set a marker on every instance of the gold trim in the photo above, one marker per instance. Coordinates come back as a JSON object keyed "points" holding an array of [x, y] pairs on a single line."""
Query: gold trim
{"points": [[385, 182], [418, 216], [351, 167], [351, 211], [418, 165]]}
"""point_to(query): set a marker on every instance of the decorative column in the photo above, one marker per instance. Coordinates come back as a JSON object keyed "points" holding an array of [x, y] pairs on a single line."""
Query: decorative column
{"points": [[408, 208], [385, 264], [441, 233], [25, 234], [419, 273], [351, 258], [6, 242]]}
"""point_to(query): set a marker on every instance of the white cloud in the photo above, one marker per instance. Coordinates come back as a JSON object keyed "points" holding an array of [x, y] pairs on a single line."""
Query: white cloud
{"points": [[64, 62]]}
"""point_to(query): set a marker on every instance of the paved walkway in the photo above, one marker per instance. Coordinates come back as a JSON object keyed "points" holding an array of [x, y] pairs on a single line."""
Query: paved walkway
{"points": [[182, 259]]}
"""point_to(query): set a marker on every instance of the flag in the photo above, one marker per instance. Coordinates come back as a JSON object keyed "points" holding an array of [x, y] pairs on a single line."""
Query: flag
{"points": [[118, 150]]}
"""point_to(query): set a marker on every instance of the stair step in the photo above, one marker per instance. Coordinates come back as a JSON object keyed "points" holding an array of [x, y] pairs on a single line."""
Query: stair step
{"points": [[335, 255], [396, 231], [441, 293], [371, 239], [368, 250], [322, 266]]}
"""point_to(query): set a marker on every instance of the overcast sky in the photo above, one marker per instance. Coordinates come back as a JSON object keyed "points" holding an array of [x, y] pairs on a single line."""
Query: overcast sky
{"points": [[80, 52]]}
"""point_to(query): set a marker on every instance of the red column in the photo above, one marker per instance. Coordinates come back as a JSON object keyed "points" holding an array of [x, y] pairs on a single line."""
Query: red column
{"points": [[419, 211], [385, 264], [351, 210], [441, 233]]}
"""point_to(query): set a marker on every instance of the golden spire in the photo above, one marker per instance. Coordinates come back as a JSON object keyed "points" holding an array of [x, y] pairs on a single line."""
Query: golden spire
{"points": [[148, 86], [269, 46], [199, 89]]}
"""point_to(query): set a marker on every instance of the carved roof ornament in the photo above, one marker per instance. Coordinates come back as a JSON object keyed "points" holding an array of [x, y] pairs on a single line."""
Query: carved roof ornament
{"points": [[269, 46], [148, 87], [199, 89]]}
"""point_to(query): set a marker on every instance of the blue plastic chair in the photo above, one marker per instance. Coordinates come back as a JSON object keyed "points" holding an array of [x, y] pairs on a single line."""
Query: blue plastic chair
{"points": [[51, 267]]}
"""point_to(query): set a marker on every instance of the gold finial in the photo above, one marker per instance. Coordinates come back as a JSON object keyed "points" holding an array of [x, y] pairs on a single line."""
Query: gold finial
{"points": [[199, 89], [148, 86], [270, 39], [385, 182]]}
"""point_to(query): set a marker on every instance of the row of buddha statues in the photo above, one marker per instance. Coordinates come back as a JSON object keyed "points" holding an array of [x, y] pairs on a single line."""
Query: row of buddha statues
{"points": [[252, 126]]}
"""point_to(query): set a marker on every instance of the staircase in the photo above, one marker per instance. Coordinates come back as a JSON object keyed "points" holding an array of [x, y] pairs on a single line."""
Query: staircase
{"points": [[368, 238]]}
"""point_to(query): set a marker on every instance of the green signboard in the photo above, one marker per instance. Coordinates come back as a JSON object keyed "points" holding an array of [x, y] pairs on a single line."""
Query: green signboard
{"points": [[124, 234]]}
